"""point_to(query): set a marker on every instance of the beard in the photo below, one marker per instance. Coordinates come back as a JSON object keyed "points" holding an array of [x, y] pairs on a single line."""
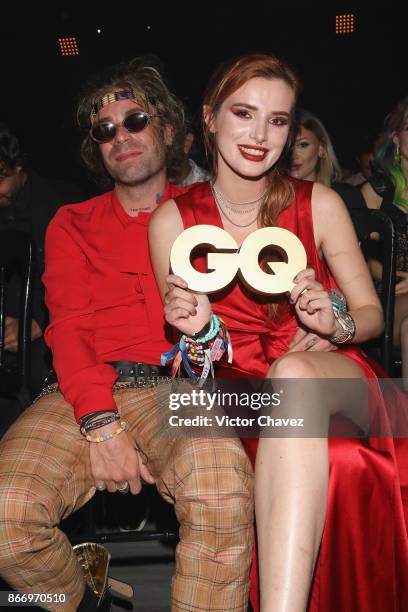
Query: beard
{"points": [[139, 169]]}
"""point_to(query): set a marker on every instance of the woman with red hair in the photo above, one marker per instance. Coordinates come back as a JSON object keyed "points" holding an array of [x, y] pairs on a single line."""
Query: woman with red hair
{"points": [[330, 528]]}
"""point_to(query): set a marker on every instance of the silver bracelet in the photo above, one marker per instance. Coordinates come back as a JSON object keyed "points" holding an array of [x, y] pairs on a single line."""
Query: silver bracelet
{"points": [[348, 327]]}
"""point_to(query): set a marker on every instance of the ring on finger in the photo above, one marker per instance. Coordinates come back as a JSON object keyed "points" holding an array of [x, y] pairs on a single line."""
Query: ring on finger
{"points": [[303, 292], [124, 489], [101, 487]]}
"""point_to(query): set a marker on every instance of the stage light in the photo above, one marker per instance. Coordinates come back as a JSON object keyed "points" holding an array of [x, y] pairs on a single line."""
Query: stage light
{"points": [[345, 24], [68, 46]]}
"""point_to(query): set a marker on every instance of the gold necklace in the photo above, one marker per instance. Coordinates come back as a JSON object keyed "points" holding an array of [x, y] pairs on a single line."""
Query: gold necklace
{"points": [[224, 198], [218, 199], [238, 211]]}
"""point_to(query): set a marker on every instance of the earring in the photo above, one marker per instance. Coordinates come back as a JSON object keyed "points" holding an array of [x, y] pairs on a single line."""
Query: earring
{"points": [[397, 154]]}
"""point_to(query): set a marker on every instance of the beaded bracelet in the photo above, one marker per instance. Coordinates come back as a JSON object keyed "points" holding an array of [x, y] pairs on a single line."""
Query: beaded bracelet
{"points": [[91, 425], [108, 436], [200, 353], [210, 335], [204, 330]]}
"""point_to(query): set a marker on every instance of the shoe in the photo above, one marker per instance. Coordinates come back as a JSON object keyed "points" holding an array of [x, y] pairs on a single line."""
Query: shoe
{"points": [[94, 560]]}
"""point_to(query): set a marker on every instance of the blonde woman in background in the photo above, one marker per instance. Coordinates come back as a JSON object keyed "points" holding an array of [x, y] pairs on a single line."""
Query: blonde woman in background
{"points": [[314, 159]]}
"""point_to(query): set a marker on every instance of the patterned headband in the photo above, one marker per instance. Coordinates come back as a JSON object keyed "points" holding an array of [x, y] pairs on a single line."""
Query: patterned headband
{"points": [[113, 96]]}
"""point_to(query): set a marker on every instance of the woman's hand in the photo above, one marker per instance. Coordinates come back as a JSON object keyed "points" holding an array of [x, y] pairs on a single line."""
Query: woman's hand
{"points": [[188, 312], [308, 341], [116, 462], [402, 286], [313, 305]]}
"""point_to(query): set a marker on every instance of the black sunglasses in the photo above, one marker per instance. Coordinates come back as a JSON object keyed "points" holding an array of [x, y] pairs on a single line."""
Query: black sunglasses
{"points": [[105, 131]]}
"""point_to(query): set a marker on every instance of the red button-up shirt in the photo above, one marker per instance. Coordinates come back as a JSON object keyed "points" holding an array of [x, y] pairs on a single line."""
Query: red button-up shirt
{"points": [[102, 296]]}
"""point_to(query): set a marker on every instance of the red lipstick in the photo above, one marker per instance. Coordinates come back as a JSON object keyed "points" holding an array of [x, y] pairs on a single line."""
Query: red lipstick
{"points": [[252, 152]]}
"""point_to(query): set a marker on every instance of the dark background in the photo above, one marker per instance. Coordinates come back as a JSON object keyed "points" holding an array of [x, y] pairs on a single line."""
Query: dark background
{"points": [[350, 81]]}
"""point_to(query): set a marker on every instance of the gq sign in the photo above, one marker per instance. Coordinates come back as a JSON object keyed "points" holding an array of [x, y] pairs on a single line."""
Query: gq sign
{"points": [[225, 265]]}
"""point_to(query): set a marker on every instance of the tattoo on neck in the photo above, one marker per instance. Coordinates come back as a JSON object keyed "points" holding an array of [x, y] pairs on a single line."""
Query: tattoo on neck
{"points": [[158, 198]]}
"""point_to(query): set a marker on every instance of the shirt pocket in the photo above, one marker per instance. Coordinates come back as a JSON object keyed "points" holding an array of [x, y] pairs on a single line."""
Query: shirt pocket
{"points": [[114, 284]]}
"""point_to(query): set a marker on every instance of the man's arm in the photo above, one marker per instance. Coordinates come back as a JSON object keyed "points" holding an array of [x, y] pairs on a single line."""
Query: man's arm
{"points": [[85, 381]]}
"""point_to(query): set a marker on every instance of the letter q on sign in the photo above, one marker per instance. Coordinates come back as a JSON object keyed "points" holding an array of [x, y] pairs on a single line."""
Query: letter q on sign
{"points": [[224, 264]]}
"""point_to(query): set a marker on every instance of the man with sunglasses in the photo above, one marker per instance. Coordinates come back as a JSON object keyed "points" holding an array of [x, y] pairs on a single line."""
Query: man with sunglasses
{"points": [[107, 334]]}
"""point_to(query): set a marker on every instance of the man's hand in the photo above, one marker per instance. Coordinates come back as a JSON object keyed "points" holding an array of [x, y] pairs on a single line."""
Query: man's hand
{"points": [[11, 333], [116, 462], [308, 341]]}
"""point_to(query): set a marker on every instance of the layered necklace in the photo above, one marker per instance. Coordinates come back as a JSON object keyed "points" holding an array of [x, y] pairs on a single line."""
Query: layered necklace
{"points": [[223, 203]]}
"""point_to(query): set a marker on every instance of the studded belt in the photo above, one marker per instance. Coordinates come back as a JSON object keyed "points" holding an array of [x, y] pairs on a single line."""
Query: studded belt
{"points": [[133, 371]]}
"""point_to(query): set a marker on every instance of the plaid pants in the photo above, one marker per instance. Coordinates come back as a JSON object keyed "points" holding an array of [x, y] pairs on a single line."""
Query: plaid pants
{"points": [[45, 476]]}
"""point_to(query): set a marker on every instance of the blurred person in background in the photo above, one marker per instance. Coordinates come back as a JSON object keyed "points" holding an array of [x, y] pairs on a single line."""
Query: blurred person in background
{"points": [[191, 170], [387, 191], [314, 159], [28, 202]]}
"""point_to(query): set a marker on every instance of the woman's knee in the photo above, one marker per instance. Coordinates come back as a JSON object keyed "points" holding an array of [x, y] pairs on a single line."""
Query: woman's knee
{"points": [[293, 365]]}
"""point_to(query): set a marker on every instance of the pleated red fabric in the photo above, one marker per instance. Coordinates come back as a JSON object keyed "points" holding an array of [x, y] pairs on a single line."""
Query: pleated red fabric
{"points": [[363, 561]]}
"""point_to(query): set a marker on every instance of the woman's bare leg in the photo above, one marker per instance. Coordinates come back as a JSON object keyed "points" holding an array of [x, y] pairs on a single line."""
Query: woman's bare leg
{"points": [[291, 477]]}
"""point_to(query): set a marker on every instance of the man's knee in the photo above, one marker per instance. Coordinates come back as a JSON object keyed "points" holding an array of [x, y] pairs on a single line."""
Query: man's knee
{"points": [[43, 474], [215, 474], [45, 416], [25, 523]]}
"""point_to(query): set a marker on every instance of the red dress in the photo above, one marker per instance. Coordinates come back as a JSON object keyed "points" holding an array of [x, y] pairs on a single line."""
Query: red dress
{"points": [[363, 560]]}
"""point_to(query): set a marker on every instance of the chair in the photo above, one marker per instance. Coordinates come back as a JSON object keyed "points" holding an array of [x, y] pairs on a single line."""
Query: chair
{"points": [[91, 524], [16, 258], [367, 222]]}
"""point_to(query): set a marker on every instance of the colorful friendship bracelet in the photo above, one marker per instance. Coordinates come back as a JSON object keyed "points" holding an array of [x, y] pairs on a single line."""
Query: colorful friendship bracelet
{"points": [[210, 335], [108, 436], [200, 353]]}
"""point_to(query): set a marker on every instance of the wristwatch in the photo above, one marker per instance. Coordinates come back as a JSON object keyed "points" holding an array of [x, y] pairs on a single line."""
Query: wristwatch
{"points": [[348, 327]]}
